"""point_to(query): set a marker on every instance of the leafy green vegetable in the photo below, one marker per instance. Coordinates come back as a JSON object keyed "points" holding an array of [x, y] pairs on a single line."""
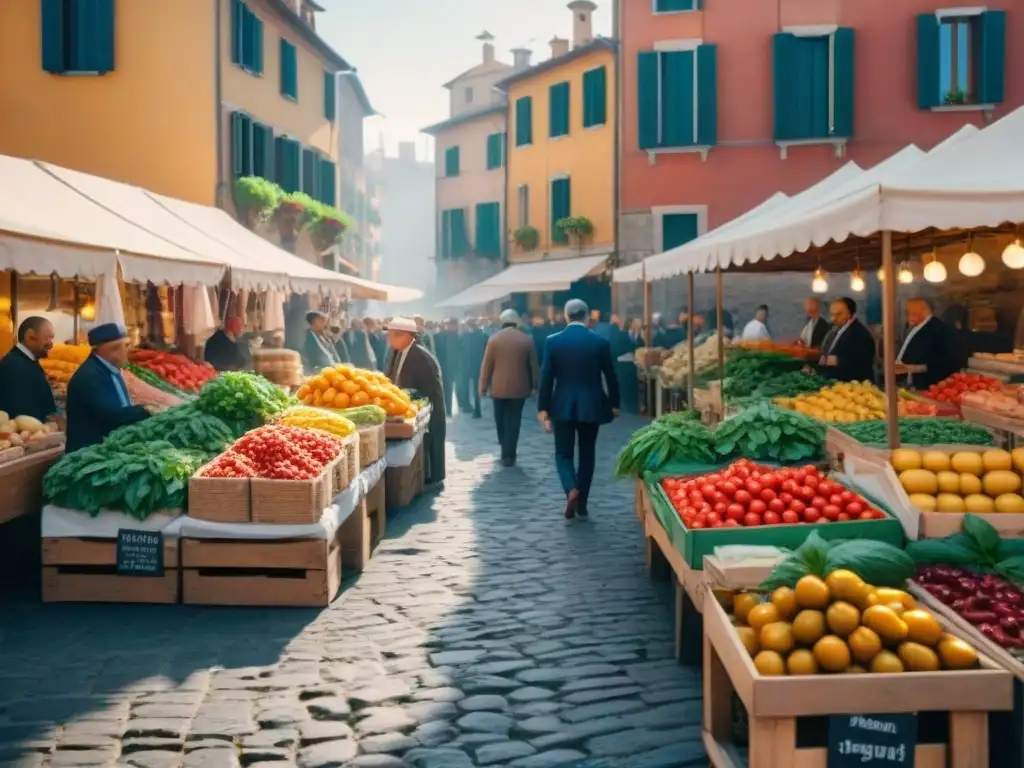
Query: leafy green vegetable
{"points": [[746, 370], [878, 563], [183, 426], [918, 431], [678, 417], [661, 442], [790, 385], [243, 397], [137, 479], [809, 557], [764, 432], [978, 547]]}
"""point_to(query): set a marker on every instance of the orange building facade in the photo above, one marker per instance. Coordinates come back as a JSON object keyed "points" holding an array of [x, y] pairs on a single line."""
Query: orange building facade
{"points": [[725, 102]]}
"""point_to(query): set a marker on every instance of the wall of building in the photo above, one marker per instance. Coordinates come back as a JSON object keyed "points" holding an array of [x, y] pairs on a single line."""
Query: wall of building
{"points": [[349, 127], [586, 155], [474, 89], [150, 122]]}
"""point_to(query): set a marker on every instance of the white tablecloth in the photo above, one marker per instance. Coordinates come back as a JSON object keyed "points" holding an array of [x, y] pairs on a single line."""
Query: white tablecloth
{"points": [[400, 453], [62, 523]]}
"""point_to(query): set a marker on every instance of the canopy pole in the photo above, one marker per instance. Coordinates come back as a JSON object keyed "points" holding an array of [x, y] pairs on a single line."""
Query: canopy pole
{"points": [[720, 330], [690, 379], [75, 318], [647, 306], [14, 302], [889, 340]]}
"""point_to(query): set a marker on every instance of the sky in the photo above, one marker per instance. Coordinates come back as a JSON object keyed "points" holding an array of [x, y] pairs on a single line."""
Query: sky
{"points": [[405, 50]]}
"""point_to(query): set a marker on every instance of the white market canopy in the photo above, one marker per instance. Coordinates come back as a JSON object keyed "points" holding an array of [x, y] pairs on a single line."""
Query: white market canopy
{"points": [[56, 220], [536, 276]]}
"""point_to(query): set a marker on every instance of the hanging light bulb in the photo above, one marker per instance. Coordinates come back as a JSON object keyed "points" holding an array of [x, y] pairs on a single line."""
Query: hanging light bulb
{"points": [[935, 271], [857, 284], [1013, 255], [905, 276], [971, 264], [820, 282], [881, 274]]}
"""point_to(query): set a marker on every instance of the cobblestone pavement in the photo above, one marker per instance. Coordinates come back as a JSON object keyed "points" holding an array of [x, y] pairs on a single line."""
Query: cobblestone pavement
{"points": [[486, 632]]}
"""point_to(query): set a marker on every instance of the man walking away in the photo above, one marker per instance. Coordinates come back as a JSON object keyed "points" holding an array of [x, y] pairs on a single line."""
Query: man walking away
{"points": [[571, 398], [473, 343], [509, 371]]}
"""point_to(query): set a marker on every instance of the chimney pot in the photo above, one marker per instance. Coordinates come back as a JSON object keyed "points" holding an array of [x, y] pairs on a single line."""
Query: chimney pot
{"points": [[521, 58], [488, 46], [582, 21], [559, 46]]}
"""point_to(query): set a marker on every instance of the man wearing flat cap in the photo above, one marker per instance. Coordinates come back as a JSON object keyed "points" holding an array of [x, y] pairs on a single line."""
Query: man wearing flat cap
{"points": [[412, 367], [98, 401]]}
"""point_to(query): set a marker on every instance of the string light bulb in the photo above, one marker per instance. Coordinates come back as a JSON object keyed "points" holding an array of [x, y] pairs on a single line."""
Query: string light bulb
{"points": [[820, 282], [881, 274], [905, 276], [971, 263], [935, 271], [857, 284], [1013, 255]]}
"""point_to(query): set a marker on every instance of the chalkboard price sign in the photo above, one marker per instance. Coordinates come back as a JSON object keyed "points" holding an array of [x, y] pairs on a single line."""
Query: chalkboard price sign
{"points": [[140, 553], [872, 741]]}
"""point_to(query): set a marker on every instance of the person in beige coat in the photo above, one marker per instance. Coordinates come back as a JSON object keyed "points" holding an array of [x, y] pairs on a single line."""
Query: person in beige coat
{"points": [[511, 373]]}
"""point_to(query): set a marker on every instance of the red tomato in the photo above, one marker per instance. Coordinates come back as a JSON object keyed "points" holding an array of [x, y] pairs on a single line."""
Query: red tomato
{"points": [[849, 496], [790, 517], [836, 499], [696, 525], [696, 497], [879, 514], [771, 480], [831, 511], [750, 519], [812, 480], [742, 497], [758, 507], [865, 516], [819, 503], [753, 487], [719, 496], [714, 478], [777, 505], [772, 518], [854, 508], [728, 488], [720, 507], [730, 523], [767, 494], [708, 491], [735, 511], [790, 486], [807, 492], [800, 477], [797, 506], [811, 515], [843, 517], [713, 518], [827, 488]]}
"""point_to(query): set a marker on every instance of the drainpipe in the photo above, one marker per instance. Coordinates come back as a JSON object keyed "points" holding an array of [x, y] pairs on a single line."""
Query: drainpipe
{"points": [[217, 90]]}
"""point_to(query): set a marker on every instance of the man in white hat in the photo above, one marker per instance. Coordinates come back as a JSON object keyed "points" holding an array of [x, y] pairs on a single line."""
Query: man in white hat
{"points": [[510, 372], [413, 367]]}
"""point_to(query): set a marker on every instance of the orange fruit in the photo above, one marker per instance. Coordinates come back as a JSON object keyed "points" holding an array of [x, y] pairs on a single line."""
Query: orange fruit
{"points": [[360, 398], [349, 387], [341, 400]]}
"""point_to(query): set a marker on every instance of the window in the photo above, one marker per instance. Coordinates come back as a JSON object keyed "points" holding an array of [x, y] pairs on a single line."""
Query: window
{"points": [[561, 207], [496, 150], [288, 163], [813, 86], [77, 37], [488, 230], [327, 182], [241, 145], [289, 71], [558, 110], [524, 121], [961, 59], [677, 98], [523, 204], [246, 38], [468, 95], [595, 97], [677, 229], [675, 6], [262, 151], [310, 173], [454, 241], [451, 162], [330, 96]]}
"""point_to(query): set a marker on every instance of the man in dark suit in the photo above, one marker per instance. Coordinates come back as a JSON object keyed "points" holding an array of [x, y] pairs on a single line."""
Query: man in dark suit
{"points": [[98, 401], [472, 344], [928, 354], [224, 349], [572, 400], [849, 352], [413, 367], [816, 328], [448, 347], [318, 350], [509, 370], [24, 390]]}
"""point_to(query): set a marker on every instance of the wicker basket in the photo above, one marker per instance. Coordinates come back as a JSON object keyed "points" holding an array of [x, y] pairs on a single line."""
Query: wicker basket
{"points": [[219, 499], [291, 502], [348, 468], [372, 445]]}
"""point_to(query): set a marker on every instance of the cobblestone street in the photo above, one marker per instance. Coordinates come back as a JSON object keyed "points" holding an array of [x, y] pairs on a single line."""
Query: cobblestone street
{"points": [[485, 632]]}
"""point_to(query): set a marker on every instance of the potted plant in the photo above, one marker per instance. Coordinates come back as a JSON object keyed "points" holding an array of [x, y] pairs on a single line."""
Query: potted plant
{"points": [[329, 227], [527, 238], [955, 97], [255, 199], [294, 212], [575, 228]]}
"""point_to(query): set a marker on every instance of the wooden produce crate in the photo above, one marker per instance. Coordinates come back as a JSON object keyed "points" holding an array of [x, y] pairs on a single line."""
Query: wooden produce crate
{"points": [[219, 499], [292, 502], [372, 445], [400, 429], [642, 504], [404, 484], [21, 483], [776, 706], [275, 573], [348, 468], [51, 441], [362, 530], [376, 512], [84, 570], [736, 576]]}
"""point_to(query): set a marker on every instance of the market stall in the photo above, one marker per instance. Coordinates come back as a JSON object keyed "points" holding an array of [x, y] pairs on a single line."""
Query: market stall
{"points": [[404, 478]]}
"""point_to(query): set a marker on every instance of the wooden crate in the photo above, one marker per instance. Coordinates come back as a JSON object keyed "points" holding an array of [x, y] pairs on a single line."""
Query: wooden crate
{"points": [[376, 511], [372, 445], [400, 429], [21, 483], [219, 499], [84, 570], [348, 468], [404, 484], [642, 506], [276, 573], [362, 530], [291, 502], [774, 705], [661, 558]]}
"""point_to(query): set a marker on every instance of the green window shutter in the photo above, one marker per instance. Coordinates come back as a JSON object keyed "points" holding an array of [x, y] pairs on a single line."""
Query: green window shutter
{"points": [[677, 229], [52, 24], [330, 96], [561, 207], [842, 82], [451, 162], [289, 71], [648, 99], [677, 99], [92, 36], [237, 153], [309, 172], [488, 230], [247, 154], [991, 76], [281, 161], [668, 6], [328, 182], [707, 95], [258, 149], [495, 151], [446, 234], [558, 110], [928, 95], [595, 97], [237, 36], [524, 121], [784, 55], [257, 61], [459, 236]]}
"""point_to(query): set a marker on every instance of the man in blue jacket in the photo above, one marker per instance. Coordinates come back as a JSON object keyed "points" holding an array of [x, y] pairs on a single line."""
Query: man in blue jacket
{"points": [[573, 402], [98, 401]]}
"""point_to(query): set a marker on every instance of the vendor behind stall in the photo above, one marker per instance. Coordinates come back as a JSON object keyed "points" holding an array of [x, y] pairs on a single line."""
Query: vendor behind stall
{"points": [[848, 352], [226, 350], [413, 367], [24, 390], [928, 354], [318, 350], [98, 401]]}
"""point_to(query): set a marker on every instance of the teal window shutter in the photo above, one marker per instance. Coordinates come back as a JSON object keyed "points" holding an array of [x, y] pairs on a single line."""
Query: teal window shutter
{"points": [[561, 207], [330, 96], [648, 99], [237, 153], [52, 23], [991, 74], [842, 82], [495, 150], [595, 97], [524, 121], [678, 229], [459, 235], [784, 55], [327, 182], [669, 6], [90, 24], [309, 172], [707, 95], [289, 71], [446, 234], [928, 90], [451, 161], [558, 110], [677, 99], [258, 149], [488, 230], [257, 62]]}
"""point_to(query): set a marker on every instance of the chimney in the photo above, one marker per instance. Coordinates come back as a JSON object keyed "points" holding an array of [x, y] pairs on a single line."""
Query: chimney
{"points": [[521, 59], [487, 38], [582, 22], [293, 6], [407, 151], [559, 46]]}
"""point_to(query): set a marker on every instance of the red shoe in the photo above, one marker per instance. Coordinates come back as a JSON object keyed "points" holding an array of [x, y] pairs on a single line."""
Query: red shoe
{"points": [[570, 504]]}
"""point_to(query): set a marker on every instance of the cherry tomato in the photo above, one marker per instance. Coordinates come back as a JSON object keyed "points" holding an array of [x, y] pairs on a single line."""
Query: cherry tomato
{"points": [[708, 491], [730, 523], [865, 516], [831, 511], [811, 515], [786, 498], [836, 499], [713, 518], [819, 503], [790, 517], [753, 487], [812, 481], [777, 505], [735, 511], [771, 480], [696, 525], [790, 486], [750, 519], [843, 517], [848, 496], [772, 518], [767, 494], [797, 506], [800, 477], [729, 488], [807, 492], [854, 508], [758, 507], [742, 497]]}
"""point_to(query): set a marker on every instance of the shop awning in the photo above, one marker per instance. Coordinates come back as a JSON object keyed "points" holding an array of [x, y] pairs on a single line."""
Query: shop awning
{"points": [[536, 276]]}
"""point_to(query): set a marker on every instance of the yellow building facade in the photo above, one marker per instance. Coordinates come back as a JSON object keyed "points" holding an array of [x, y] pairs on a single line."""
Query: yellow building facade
{"points": [[561, 151], [178, 97]]}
